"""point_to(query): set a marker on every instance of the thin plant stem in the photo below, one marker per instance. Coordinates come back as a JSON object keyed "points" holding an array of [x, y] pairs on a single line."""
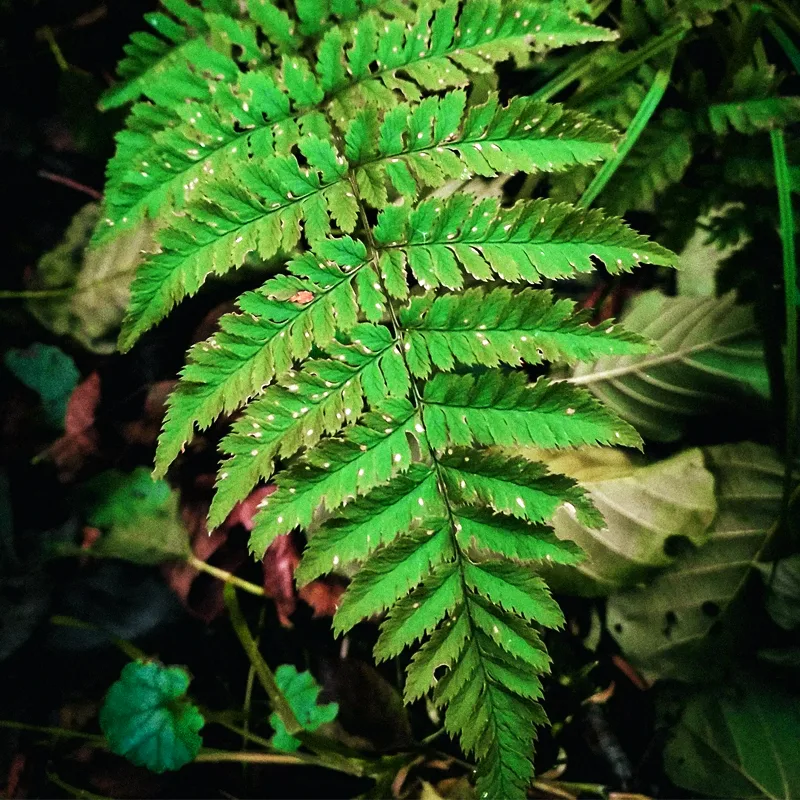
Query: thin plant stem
{"points": [[247, 735], [224, 576], [325, 750], [573, 73], [70, 184], [598, 7], [75, 791], [64, 291], [130, 650], [637, 126], [264, 674], [260, 758], [59, 733], [787, 232], [789, 47], [633, 60], [248, 691]]}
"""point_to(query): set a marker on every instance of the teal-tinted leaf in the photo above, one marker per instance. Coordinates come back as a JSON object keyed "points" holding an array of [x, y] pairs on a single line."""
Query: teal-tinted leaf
{"points": [[50, 372], [147, 717], [302, 692]]}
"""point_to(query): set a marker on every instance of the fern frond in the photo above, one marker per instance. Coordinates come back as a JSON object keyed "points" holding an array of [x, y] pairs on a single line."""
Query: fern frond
{"points": [[370, 521], [437, 140], [237, 118], [261, 212], [156, 60], [261, 209], [499, 326], [438, 239], [500, 408], [440, 48], [514, 539], [322, 398], [364, 456], [512, 486], [754, 116], [346, 399]]}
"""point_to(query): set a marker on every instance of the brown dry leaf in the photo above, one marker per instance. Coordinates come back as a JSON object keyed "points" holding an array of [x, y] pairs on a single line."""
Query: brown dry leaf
{"points": [[145, 431], [280, 562], [603, 696], [80, 439], [323, 596], [630, 673], [243, 513], [181, 576]]}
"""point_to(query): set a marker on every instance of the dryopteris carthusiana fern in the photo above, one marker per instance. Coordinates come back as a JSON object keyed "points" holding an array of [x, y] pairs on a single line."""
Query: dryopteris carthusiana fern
{"points": [[377, 370]]}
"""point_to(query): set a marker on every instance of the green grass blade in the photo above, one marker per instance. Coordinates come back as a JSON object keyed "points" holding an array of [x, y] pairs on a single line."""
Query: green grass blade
{"points": [[787, 231], [635, 130]]}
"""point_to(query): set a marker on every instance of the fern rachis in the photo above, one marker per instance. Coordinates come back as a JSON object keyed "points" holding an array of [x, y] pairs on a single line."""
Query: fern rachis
{"points": [[367, 372]]}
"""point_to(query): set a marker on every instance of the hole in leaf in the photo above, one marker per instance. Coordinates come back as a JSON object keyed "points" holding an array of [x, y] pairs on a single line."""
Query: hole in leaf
{"points": [[671, 619], [710, 608], [675, 546]]}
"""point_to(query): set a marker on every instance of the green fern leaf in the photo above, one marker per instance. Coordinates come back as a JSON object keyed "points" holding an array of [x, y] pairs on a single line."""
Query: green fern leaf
{"points": [[501, 408], [152, 61], [512, 486], [241, 115], [366, 455], [492, 327], [754, 116], [393, 572], [517, 540], [530, 241], [436, 140], [275, 325], [279, 137], [440, 47], [259, 214], [322, 398], [369, 522]]}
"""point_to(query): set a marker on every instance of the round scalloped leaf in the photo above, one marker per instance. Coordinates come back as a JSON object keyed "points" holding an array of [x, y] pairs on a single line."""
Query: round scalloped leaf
{"points": [[148, 719], [302, 692]]}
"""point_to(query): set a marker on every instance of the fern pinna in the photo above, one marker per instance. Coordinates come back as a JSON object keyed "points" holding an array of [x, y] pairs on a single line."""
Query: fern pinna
{"points": [[380, 371]]}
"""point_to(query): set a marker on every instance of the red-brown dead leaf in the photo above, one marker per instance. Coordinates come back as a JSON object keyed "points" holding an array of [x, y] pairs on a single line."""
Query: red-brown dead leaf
{"points": [[15, 770], [210, 323], [145, 431], [181, 576], [323, 596], [244, 512], [80, 439], [280, 562]]}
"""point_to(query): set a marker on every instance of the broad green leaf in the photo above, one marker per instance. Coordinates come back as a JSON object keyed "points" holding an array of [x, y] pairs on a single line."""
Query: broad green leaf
{"points": [[651, 512], [147, 717], [710, 353], [686, 620], [782, 580], [140, 518], [737, 741]]}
